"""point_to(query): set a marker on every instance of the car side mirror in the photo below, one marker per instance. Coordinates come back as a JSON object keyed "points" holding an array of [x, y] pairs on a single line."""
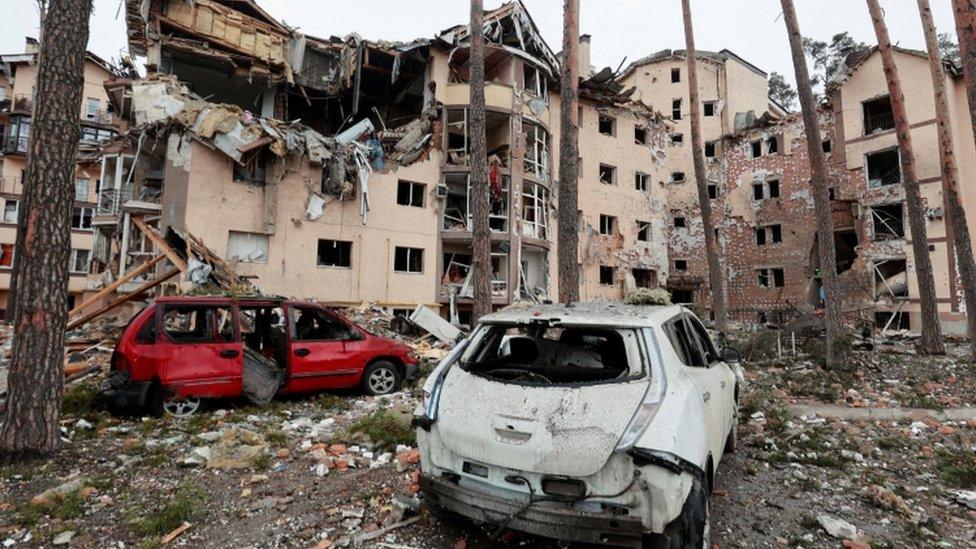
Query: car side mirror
{"points": [[731, 355]]}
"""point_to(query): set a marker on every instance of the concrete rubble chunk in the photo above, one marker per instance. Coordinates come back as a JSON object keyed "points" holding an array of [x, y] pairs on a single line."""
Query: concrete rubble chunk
{"points": [[838, 528], [433, 323]]}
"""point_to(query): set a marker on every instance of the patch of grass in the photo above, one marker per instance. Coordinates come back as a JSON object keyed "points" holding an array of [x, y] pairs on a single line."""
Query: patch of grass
{"points": [[262, 462], [198, 423], [330, 401], [892, 442], [71, 506], [79, 399], [276, 437], [809, 522], [386, 429], [27, 514], [156, 458], [956, 467], [183, 506]]}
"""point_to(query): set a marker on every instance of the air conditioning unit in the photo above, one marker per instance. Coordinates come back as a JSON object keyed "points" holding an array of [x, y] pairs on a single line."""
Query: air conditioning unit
{"points": [[442, 191]]}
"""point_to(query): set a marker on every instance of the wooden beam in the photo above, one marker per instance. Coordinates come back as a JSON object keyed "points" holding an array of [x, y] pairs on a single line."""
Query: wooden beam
{"points": [[160, 242], [113, 286], [128, 297]]}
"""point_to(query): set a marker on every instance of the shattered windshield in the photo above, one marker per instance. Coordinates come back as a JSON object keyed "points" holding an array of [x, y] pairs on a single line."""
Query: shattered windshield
{"points": [[544, 355]]}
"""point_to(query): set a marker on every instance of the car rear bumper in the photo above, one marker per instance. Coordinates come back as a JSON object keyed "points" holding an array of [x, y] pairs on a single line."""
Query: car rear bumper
{"points": [[562, 524]]}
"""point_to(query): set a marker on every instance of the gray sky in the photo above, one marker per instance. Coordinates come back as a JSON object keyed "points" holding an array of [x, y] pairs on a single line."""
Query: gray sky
{"points": [[620, 28]]}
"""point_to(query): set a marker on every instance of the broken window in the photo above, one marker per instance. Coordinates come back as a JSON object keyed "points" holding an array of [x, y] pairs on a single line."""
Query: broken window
{"points": [[607, 274], [641, 180], [677, 177], [772, 145], [81, 218], [773, 187], [640, 135], [197, 323], [681, 264], [891, 279], [680, 222], [92, 105], [254, 169], [410, 193], [888, 221], [10, 209], [608, 174], [18, 134], [709, 149], [826, 145], [643, 231], [769, 233], [314, 324], [677, 138], [78, 261], [81, 189], [457, 136], [712, 191], [779, 278], [676, 109], [247, 247], [763, 277], [892, 320], [535, 81], [756, 149], [760, 236], [675, 75], [883, 168], [758, 191], [456, 202], [708, 108], [831, 194], [6, 255], [608, 125], [408, 260], [878, 115], [534, 210], [845, 244], [644, 278], [536, 150], [682, 296], [608, 224], [498, 201], [334, 253], [776, 233]]}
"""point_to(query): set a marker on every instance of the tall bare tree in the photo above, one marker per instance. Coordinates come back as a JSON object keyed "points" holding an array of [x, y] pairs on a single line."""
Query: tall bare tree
{"points": [[956, 225], [716, 280], [821, 195], [480, 206], [36, 376], [568, 252], [931, 342]]}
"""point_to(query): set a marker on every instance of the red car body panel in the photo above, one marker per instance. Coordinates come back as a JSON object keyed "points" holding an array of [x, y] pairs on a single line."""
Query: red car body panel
{"points": [[213, 366]]}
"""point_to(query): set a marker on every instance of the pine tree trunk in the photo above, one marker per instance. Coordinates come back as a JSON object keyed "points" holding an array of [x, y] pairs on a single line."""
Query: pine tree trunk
{"points": [[955, 219], [36, 377], [568, 230], [480, 207], [931, 343], [821, 196], [716, 281]]}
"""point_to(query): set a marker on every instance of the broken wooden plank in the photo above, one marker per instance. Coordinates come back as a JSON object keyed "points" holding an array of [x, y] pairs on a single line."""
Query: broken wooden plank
{"points": [[138, 291], [175, 533], [115, 285], [161, 244]]}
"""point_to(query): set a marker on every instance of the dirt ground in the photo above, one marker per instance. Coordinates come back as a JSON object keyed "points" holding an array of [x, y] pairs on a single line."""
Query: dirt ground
{"points": [[340, 470]]}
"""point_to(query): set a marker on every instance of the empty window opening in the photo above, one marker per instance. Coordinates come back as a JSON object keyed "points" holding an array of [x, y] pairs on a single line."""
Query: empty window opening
{"points": [[534, 210], [254, 170], [81, 218], [457, 136], [760, 236], [536, 159], [826, 145], [888, 320], [607, 275], [888, 221], [772, 145], [891, 279], [644, 278], [772, 187], [845, 244], [408, 260], [640, 135], [883, 168], [682, 296], [456, 202], [756, 149], [608, 224], [245, 247], [878, 115], [608, 125], [608, 174], [769, 234], [6, 255], [676, 109], [677, 177], [643, 231], [410, 194], [334, 253], [710, 149], [831, 194], [771, 278], [758, 192], [677, 138], [198, 323], [712, 191], [641, 181], [779, 278], [535, 81], [675, 76], [708, 108], [681, 264], [680, 222], [78, 261]]}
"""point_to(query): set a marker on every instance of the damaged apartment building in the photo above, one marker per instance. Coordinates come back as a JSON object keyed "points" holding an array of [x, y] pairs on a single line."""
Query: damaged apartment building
{"points": [[337, 169]]}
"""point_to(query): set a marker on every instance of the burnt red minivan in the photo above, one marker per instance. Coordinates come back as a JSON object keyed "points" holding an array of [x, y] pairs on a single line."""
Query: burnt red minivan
{"points": [[180, 350]]}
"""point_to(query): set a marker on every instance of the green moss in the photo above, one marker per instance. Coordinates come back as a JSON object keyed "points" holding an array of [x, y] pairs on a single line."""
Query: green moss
{"points": [[956, 467], [79, 399], [183, 506], [386, 429]]}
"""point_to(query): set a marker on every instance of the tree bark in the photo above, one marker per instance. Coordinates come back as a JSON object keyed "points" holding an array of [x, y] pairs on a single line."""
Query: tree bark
{"points": [[821, 195], [716, 281], [480, 207], [931, 342], [955, 218], [36, 377], [568, 230]]}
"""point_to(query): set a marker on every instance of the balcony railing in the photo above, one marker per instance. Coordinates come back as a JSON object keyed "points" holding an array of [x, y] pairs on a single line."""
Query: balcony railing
{"points": [[879, 122], [110, 200]]}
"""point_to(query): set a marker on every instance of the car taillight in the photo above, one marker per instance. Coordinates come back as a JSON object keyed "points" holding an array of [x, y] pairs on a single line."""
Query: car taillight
{"points": [[652, 399]]}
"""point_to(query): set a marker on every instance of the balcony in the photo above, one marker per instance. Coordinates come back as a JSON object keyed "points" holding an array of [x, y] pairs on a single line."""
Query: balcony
{"points": [[110, 201]]}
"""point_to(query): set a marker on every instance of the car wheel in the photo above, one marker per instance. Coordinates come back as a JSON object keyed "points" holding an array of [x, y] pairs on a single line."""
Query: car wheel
{"points": [[182, 407], [381, 378], [692, 529], [732, 440]]}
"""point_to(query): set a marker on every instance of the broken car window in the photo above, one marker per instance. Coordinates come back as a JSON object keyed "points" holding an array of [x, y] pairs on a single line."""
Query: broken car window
{"points": [[308, 324], [198, 324], [539, 354]]}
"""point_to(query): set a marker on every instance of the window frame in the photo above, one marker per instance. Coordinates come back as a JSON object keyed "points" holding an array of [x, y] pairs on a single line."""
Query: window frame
{"points": [[412, 193], [318, 255], [410, 252]]}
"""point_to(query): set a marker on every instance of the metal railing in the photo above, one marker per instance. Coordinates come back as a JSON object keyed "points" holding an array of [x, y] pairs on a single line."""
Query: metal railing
{"points": [[110, 200], [879, 122]]}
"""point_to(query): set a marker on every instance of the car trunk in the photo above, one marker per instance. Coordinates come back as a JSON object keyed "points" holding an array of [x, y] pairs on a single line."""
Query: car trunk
{"points": [[555, 429]]}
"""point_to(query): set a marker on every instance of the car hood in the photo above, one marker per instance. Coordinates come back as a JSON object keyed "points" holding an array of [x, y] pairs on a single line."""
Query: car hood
{"points": [[569, 431]]}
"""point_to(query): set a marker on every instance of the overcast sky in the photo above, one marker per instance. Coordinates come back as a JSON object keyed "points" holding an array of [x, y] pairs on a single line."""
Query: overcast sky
{"points": [[620, 28]]}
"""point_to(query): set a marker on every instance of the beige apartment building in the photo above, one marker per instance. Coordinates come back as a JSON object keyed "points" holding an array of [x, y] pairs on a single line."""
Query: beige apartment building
{"points": [[18, 75]]}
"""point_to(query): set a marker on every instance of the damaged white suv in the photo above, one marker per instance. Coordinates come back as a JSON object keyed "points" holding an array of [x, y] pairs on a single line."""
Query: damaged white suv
{"points": [[591, 422]]}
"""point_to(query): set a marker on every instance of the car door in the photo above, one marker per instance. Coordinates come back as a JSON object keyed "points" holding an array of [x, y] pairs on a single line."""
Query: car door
{"points": [[318, 354], [717, 380], [198, 351]]}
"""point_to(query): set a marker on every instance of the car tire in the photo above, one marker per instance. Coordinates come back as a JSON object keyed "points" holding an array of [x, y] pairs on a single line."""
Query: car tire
{"points": [[732, 440], [692, 529], [381, 378]]}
